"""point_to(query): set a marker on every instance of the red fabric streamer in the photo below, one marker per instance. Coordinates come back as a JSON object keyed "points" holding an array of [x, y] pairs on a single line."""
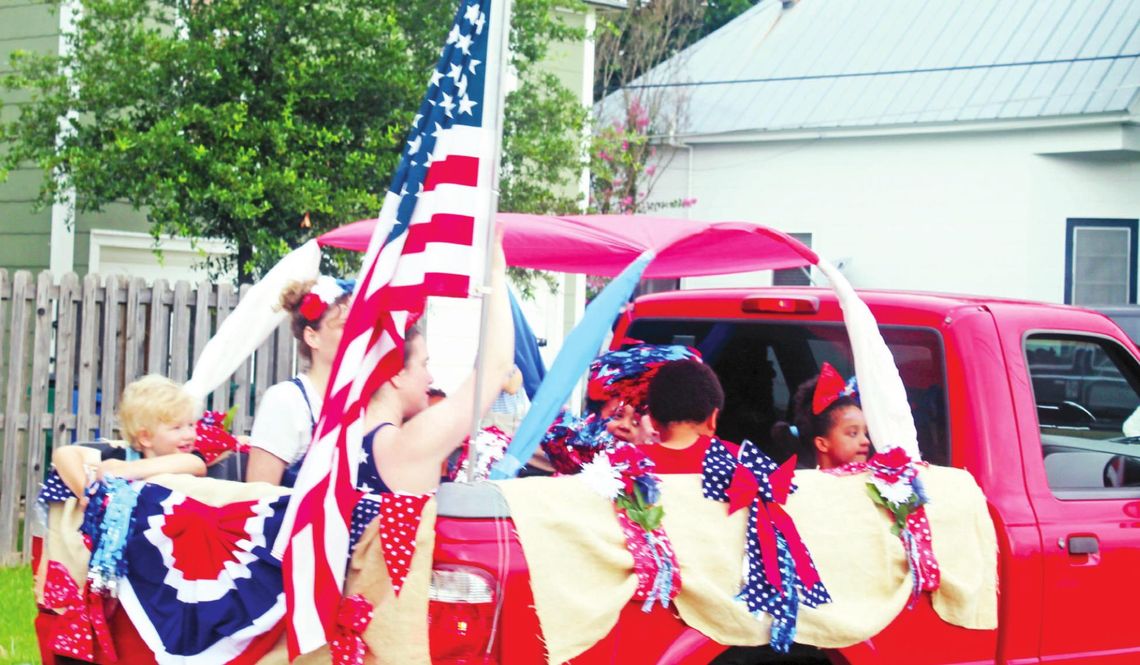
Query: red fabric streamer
{"points": [[645, 565], [354, 615], [928, 572]]}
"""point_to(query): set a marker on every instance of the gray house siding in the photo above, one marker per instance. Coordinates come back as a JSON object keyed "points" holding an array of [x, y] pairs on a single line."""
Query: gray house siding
{"points": [[25, 233]]}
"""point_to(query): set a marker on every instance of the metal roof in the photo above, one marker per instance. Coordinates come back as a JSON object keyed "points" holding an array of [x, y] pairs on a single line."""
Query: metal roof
{"points": [[871, 63]]}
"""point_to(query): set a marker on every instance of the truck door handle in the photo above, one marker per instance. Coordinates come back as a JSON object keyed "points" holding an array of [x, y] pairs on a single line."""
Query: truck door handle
{"points": [[1083, 545]]}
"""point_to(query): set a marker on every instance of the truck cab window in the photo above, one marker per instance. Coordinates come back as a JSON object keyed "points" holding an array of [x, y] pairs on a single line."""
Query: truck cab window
{"points": [[1087, 390], [761, 363]]}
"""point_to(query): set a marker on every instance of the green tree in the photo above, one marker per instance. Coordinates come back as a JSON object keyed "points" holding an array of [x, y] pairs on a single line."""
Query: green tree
{"points": [[238, 119], [644, 44], [719, 12]]}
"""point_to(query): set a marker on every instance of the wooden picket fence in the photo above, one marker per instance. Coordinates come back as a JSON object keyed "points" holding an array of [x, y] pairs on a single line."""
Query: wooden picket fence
{"points": [[67, 350]]}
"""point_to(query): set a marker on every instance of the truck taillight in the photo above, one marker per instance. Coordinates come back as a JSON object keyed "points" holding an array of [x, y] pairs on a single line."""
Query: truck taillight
{"points": [[461, 616]]}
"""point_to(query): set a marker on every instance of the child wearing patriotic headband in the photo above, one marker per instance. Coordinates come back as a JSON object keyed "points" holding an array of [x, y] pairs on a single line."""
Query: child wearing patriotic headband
{"points": [[288, 411], [617, 405], [618, 388], [827, 421]]}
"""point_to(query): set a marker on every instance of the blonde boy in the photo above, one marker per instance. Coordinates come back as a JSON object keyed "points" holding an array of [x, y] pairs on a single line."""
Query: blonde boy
{"points": [[157, 419]]}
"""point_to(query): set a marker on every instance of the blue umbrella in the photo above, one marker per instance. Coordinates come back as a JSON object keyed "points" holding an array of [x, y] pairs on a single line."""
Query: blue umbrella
{"points": [[580, 347]]}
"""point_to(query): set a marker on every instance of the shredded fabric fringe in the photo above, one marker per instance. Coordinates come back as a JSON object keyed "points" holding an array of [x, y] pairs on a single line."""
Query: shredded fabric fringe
{"points": [[654, 563], [116, 500], [788, 604], [663, 560]]}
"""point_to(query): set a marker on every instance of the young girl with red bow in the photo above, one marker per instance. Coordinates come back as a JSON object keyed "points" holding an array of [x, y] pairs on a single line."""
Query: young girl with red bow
{"points": [[827, 421]]}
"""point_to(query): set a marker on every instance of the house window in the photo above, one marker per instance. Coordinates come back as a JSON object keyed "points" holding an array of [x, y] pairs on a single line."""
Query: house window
{"points": [[1100, 261], [794, 276]]}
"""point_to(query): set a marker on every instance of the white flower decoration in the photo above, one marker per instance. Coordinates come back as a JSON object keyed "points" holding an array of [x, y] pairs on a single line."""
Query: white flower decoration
{"points": [[894, 493], [602, 477], [327, 289]]}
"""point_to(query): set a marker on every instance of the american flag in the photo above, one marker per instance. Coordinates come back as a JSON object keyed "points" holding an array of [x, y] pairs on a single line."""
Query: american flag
{"points": [[427, 242]]}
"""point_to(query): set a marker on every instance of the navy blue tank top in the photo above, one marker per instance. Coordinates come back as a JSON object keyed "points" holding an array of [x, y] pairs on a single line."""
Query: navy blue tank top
{"points": [[368, 478]]}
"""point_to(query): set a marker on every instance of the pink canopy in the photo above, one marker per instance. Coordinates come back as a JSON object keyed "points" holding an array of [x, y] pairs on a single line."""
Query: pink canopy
{"points": [[605, 244]]}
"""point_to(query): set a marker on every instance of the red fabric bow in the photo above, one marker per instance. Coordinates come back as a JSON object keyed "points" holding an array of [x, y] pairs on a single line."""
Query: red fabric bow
{"points": [[83, 621], [353, 616], [891, 465], [770, 516], [312, 307], [828, 388], [212, 440]]}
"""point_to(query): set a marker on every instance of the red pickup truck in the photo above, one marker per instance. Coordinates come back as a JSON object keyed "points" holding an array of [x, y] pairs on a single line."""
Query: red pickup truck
{"points": [[1030, 398]]}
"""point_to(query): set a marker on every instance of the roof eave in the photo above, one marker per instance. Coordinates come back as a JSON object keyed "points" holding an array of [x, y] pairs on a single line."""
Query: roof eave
{"points": [[609, 4], [990, 125]]}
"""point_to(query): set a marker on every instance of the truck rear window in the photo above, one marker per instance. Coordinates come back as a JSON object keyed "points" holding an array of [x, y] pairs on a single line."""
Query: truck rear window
{"points": [[761, 363]]}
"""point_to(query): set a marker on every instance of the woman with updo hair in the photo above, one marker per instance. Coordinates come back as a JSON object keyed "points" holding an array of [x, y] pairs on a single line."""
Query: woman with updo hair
{"points": [[288, 411]]}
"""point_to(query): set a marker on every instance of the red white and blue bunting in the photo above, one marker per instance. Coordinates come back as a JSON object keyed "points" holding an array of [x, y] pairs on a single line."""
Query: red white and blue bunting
{"points": [[202, 586]]}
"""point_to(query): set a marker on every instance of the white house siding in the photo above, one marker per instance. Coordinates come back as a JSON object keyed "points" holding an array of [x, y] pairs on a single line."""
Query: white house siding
{"points": [[979, 212]]}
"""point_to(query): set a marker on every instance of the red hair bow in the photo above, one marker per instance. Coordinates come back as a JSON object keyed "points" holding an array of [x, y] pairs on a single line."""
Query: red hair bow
{"points": [[829, 388], [312, 307]]}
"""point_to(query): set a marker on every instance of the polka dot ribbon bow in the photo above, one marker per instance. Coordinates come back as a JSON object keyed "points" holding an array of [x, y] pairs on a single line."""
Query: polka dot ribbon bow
{"points": [[894, 484], [779, 573], [82, 623], [399, 519], [354, 615]]}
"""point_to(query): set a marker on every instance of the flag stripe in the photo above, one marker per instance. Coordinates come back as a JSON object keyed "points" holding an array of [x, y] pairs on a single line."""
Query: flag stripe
{"points": [[442, 256], [444, 227], [453, 170]]}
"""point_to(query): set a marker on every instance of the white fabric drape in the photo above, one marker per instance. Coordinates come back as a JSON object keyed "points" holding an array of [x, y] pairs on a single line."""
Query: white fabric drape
{"points": [[252, 321], [881, 391]]}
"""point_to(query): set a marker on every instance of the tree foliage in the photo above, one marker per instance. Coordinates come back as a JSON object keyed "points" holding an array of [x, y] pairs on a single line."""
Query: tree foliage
{"points": [[719, 12], [639, 45], [644, 44], [643, 35], [238, 119], [538, 151]]}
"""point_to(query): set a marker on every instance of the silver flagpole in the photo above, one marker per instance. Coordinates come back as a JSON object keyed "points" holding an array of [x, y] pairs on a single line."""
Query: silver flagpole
{"points": [[498, 51]]}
